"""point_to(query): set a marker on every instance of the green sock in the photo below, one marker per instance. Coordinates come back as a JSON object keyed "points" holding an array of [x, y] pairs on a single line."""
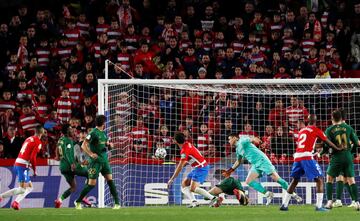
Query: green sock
{"points": [[354, 191], [347, 187], [113, 191], [84, 192], [257, 186], [283, 183], [339, 189], [329, 191], [66, 194]]}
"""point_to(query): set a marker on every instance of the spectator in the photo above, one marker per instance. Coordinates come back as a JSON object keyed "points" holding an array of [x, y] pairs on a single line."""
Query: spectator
{"points": [[281, 143], [258, 117], [323, 71], [203, 138], [2, 152], [12, 143], [295, 112], [277, 115], [29, 120], [248, 131], [64, 105]]}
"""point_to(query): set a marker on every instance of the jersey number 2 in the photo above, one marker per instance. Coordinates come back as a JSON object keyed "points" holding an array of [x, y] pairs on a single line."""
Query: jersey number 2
{"points": [[302, 139]]}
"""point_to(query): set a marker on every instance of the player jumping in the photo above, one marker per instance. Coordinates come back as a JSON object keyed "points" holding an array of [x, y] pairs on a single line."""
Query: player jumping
{"points": [[341, 160], [95, 146], [305, 163], [197, 176], [260, 164], [69, 167], [25, 160]]}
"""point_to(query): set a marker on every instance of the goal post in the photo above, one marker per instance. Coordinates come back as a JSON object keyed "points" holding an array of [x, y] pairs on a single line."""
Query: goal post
{"points": [[144, 114]]}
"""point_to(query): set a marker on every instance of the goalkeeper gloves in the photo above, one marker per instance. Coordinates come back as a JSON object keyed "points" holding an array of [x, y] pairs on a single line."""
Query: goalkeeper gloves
{"points": [[228, 172]]}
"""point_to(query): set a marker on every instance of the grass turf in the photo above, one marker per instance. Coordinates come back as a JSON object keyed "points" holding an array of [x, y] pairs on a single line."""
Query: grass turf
{"points": [[227, 213]]}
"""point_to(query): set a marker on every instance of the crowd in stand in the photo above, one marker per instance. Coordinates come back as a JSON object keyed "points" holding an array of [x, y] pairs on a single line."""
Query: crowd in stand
{"points": [[51, 56]]}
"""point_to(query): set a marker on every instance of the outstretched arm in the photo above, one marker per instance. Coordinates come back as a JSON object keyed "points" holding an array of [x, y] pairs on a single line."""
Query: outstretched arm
{"points": [[178, 169], [236, 164]]}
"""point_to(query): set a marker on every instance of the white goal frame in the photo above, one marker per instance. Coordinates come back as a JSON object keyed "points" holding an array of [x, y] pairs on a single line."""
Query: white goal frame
{"points": [[104, 83]]}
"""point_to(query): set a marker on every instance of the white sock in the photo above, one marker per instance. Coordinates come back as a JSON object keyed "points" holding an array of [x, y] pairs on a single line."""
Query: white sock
{"points": [[319, 199], [13, 192], [287, 199], [204, 193], [22, 196], [188, 193]]}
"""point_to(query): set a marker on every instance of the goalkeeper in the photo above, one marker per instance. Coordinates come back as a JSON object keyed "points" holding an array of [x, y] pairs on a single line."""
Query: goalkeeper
{"points": [[260, 164], [69, 166]]}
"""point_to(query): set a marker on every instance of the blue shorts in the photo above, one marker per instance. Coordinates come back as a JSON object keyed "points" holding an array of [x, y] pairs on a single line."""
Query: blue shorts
{"points": [[199, 174], [22, 173], [310, 168]]}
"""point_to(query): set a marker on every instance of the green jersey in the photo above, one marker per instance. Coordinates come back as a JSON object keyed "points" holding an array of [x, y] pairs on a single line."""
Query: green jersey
{"points": [[342, 135], [66, 150], [98, 140], [244, 148]]}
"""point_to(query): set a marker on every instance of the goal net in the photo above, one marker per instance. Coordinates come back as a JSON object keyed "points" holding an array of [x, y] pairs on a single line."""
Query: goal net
{"points": [[144, 114]]}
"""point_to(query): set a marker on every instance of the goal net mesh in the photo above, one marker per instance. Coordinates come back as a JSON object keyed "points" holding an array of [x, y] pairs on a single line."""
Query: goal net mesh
{"points": [[144, 117]]}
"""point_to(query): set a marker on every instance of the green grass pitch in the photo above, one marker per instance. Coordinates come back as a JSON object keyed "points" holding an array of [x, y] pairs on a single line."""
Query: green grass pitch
{"points": [[226, 213]]}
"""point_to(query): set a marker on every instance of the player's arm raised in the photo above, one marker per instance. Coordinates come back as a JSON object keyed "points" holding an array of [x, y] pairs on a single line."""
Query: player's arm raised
{"points": [[178, 169], [86, 148]]}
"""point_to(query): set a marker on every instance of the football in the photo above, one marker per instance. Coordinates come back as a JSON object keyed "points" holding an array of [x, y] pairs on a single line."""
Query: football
{"points": [[160, 153]]}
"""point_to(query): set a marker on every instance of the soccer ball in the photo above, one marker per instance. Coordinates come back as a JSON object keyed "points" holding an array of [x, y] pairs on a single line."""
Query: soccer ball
{"points": [[160, 153]]}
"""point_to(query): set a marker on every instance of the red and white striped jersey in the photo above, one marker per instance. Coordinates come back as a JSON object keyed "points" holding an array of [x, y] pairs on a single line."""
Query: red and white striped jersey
{"points": [[131, 42], [288, 44], [294, 114], [42, 109], [29, 122], [140, 136], [166, 139], [73, 36], [113, 36], [43, 55], [11, 67], [190, 153], [218, 44], [306, 45], [306, 142], [277, 27], [324, 19], [63, 52], [125, 60], [168, 33], [203, 141], [184, 44], [29, 150], [238, 46], [5, 105], [83, 28], [64, 106], [102, 28], [25, 95], [75, 92]]}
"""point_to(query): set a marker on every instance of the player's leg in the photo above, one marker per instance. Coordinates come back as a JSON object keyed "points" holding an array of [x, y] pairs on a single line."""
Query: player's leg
{"points": [[349, 173], [20, 172], [253, 183], [319, 193], [69, 177], [339, 190], [347, 187], [198, 177], [93, 174], [83, 172], [284, 185], [29, 188], [185, 189], [107, 173], [216, 191], [297, 171], [334, 170]]}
